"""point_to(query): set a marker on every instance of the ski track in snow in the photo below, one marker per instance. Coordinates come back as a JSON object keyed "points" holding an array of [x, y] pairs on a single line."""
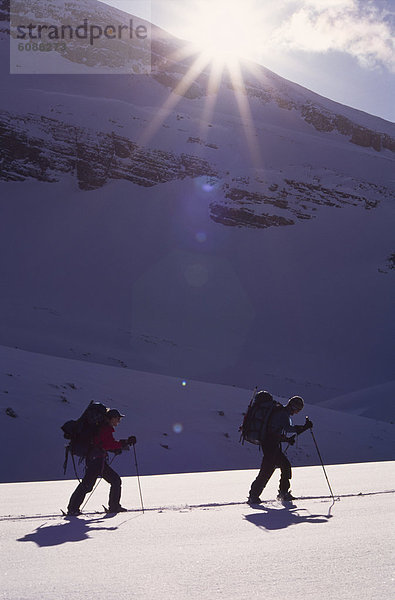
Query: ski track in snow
{"points": [[189, 507]]}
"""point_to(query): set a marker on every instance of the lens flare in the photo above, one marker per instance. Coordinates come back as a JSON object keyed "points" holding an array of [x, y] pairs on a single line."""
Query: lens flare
{"points": [[201, 237]]}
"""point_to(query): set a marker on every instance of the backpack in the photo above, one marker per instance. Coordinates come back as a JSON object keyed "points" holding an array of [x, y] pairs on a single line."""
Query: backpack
{"points": [[256, 419], [82, 431]]}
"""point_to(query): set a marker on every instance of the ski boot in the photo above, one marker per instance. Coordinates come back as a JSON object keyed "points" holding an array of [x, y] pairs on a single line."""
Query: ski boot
{"points": [[116, 509], [252, 500], [285, 497]]}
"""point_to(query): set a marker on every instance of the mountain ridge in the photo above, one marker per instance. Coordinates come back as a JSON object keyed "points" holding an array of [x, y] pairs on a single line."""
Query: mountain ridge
{"points": [[183, 237]]}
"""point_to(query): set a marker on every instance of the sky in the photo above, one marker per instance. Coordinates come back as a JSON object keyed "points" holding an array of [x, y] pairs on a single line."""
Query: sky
{"points": [[341, 49]]}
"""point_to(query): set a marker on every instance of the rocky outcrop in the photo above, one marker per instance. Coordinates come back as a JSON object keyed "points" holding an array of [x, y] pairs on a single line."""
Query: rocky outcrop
{"points": [[325, 196], [291, 201], [322, 119], [197, 140], [244, 217], [361, 136], [43, 148]]}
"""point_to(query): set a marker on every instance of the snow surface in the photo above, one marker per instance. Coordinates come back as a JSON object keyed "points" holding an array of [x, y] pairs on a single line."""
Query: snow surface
{"points": [[198, 540], [376, 402], [99, 273]]}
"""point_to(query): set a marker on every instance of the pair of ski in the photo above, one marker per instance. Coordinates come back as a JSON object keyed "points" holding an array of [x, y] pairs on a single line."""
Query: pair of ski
{"points": [[96, 512], [285, 501], [262, 503]]}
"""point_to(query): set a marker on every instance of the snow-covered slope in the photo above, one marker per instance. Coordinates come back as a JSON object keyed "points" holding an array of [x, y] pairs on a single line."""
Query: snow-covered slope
{"points": [[376, 402], [197, 540], [180, 239], [181, 425]]}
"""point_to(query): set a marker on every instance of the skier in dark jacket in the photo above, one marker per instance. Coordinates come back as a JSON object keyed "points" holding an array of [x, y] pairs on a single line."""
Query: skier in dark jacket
{"points": [[280, 424], [97, 465]]}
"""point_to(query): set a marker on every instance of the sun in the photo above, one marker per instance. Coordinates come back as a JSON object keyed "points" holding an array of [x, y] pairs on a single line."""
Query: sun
{"points": [[224, 30], [218, 35]]}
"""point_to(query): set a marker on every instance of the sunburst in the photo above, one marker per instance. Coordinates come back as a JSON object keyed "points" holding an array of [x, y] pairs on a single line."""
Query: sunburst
{"points": [[220, 36]]}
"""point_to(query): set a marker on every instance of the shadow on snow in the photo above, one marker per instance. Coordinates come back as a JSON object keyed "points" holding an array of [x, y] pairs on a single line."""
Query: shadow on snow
{"points": [[73, 530], [281, 518]]}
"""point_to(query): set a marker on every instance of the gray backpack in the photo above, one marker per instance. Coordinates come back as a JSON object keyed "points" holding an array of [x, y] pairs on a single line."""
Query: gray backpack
{"points": [[260, 409]]}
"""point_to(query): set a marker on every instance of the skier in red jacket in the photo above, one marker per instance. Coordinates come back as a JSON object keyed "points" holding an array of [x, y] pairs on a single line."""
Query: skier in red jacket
{"points": [[97, 466]]}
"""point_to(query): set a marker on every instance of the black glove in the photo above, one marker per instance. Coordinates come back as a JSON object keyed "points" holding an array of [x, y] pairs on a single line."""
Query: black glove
{"points": [[131, 440], [308, 424], [291, 440], [117, 452], [125, 444]]}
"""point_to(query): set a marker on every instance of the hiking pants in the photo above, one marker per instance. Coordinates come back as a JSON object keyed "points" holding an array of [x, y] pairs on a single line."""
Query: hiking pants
{"points": [[273, 457], [98, 467]]}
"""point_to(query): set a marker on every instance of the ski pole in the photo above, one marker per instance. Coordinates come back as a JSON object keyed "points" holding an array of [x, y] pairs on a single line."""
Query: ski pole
{"points": [[138, 477], [319, 454], [91, 494], [97, 483]]}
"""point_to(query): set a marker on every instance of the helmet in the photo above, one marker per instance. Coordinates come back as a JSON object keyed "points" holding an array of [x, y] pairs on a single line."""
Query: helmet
{"points": [[297, 402], [113, 412]]}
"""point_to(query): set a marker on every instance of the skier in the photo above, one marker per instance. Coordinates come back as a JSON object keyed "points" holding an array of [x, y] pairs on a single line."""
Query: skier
{"points": [[97, 465], [279, 425]]}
